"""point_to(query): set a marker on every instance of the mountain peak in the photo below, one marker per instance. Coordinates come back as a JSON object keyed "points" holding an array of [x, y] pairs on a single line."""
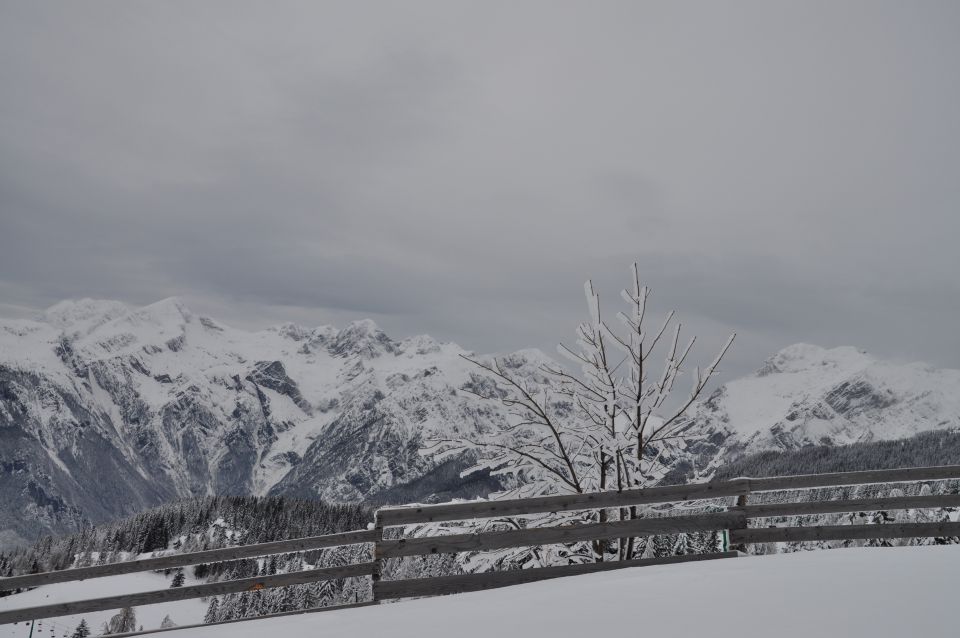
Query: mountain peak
{"points": [[809, 395], [363, 326], [293, 331], [362, 337], [169, 312], [801, 357], [419, 345], [83, 315], [170, 304]]}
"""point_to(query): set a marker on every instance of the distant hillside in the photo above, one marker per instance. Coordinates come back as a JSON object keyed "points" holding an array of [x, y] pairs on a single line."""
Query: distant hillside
{"points": [[924, 449]]}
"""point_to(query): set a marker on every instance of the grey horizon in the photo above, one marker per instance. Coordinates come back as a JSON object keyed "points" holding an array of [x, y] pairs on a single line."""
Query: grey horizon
{"points": [[788, 171]]}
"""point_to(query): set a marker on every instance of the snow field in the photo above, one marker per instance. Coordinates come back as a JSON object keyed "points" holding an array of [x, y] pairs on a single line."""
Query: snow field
{"points": [[182, 612], [849, 593]]}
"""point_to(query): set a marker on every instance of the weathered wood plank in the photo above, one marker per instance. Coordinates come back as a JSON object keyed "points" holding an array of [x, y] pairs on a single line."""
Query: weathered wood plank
{"points": [[667, 494], [563, 503], [184, 593], [387, 589], [836, 479], [851, 505], [192, 558], [297, 612], [844, 532], [567, 534]]}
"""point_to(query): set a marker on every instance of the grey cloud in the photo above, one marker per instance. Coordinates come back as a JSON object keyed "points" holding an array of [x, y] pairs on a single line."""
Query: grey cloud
{"points": [[459, 168]]}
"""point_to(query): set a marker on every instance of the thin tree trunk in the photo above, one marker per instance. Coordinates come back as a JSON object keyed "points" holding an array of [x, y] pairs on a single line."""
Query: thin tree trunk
{"points": [[600, 547]]}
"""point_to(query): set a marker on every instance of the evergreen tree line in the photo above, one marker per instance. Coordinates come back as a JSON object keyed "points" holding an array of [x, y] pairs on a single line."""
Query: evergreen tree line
{"points": [[290, 598], [211, 523], [191, 525], [938, 447]]}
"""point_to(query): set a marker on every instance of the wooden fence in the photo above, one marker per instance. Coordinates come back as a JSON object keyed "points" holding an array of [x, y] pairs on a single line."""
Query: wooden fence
{"points": [[734, 522]]}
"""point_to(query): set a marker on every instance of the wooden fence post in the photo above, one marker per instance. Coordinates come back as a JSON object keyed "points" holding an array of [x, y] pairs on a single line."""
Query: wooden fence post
{"points": [[377, 557], [740, 547]]}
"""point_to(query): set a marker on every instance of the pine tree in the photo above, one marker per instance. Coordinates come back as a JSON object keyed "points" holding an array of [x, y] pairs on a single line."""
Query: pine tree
{"points": [[167, 622], [178, 579], [82, 630], [662, 546], [213, 611]]}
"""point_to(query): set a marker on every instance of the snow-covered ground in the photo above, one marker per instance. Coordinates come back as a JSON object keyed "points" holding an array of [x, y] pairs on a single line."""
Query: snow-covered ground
{"points": [[875, 592], [879, 592], [181, 612]]}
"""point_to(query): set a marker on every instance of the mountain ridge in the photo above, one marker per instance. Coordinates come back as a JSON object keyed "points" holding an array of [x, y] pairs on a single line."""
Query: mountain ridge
{"points": [[156, 403], [808, 395], [178, 404]]}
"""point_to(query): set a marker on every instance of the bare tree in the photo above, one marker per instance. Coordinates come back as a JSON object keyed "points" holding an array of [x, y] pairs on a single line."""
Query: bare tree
{"points": [[604, 426]]}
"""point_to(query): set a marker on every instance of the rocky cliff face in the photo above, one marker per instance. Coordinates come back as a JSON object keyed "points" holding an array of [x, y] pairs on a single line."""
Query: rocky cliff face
{"points": [[105, 410]]}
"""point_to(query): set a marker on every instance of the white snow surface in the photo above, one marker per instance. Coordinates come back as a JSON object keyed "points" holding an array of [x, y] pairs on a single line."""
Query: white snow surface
{"points": [[863, 592], [806, 394], [182, 612]]}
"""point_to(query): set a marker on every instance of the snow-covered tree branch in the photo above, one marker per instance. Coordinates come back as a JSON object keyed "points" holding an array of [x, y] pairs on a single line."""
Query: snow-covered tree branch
{"points": [[604, 424]]}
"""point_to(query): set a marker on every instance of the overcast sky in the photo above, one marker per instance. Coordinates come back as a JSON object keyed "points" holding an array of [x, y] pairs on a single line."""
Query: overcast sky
{"points": [[790, 170]]}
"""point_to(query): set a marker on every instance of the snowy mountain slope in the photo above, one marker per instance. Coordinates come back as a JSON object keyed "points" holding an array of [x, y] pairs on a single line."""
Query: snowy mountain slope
{"points": [[105, 410], [807, 395], [875, 593]]}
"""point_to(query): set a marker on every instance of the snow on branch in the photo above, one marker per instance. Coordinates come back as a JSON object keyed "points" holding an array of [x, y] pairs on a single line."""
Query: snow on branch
{"points": [[605, 425]]}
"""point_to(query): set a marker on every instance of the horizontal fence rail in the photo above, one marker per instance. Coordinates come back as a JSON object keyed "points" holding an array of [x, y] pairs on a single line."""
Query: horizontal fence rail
{"points": [[184, 593], [842, 479], [393, 516], [535, 536], [768, 510], [844, 532], [191, 558]]}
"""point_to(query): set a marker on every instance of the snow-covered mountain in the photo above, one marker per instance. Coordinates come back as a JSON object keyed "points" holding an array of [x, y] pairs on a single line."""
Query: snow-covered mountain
{"points": [[106, 410], [808, 395]]}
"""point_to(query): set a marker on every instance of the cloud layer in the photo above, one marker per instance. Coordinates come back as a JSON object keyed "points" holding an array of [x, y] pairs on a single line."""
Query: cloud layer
{"points": [[787, 170]]}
